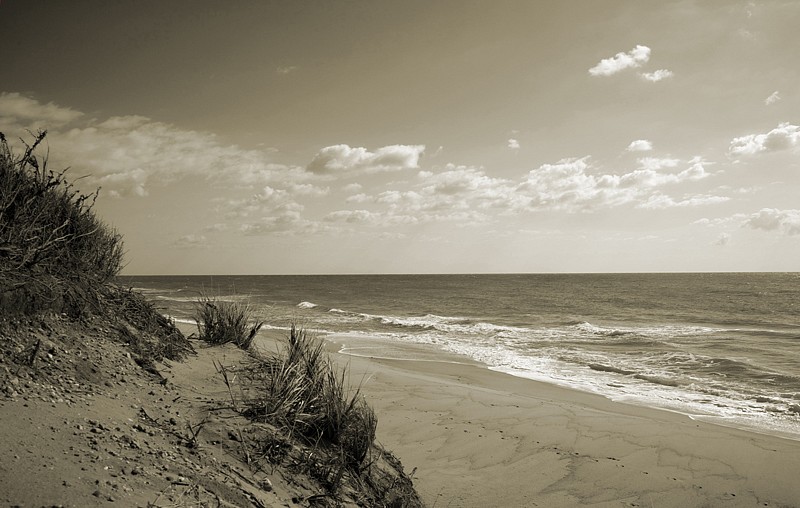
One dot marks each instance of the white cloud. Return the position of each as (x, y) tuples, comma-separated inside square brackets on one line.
[(660, 201), (657, 163), (513, 144), (656, 76), (286, 70), (358, 198), (18, 113), (270, 201), (640, 145), (342, 159), (773, 98), (459, 193), (772, 219), (621, 61), (782, 137), (352, 187), (569, 185)]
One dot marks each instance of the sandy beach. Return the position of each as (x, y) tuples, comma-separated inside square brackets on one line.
[(472, 437), (482, 438)]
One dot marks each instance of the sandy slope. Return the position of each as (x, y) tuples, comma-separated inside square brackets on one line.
[(86, 426)]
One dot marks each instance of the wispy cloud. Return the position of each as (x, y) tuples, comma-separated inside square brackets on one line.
[(353, 217), (656, 76), (128, 155), (18, 112), (621, 61), (288, 223), (661, 201), (782, 137), (342, 159), (640, 145), (191, 242), (773, 98), (286, 70), (513, 144), (723, 239)]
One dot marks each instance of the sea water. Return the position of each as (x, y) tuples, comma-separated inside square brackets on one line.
[(723, 347)]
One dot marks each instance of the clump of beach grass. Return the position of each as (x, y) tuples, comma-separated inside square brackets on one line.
[(301, 391), (222, 322), (306, 418)]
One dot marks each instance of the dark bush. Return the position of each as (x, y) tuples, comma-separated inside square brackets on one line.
[(55, 253)]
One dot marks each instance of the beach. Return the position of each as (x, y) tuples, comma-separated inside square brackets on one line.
[(469, 436), (482, 438)]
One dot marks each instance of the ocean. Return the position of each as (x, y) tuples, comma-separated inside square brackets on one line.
[(722, 347)]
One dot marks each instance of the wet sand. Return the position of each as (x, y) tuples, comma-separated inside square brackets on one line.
[(482, 438)]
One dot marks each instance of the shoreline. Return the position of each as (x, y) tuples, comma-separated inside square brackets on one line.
[(436, 355), (477, 436)]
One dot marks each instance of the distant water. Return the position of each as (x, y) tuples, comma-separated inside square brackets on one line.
[(722, 347)]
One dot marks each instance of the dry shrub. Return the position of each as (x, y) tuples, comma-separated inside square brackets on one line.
[(46, 225)]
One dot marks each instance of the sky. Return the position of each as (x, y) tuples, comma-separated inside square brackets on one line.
[(285, 137)]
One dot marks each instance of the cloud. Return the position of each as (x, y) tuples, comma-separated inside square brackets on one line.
[(353, 217), (125, 154), (661, 201), (621, 61), (270, 201), (191, 242), (468, 194), (128, 155), (286, 70), (513, 144), (723, 239), (640, 145), (569, 185), (782, 137), (358, 198), (656, 76), (458, 193), (657, 163), (288, 222), (773, 98), (18, 113), (342, 159), (772, 219)]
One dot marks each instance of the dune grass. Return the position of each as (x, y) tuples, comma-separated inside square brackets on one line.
[(301, 391), (222, 322), (47, 225), (307, 399), (58, 257), (55, 253)]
